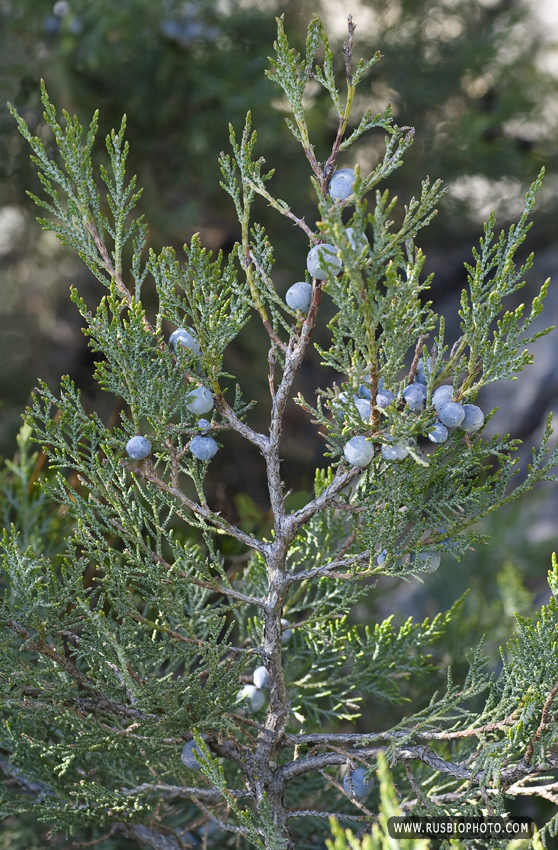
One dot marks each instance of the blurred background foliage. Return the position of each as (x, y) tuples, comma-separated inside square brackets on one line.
[(474, 77)]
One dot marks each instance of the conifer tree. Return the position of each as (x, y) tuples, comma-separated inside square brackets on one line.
[(171, 677)]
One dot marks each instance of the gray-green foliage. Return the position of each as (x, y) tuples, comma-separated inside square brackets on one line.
[(379, 837), (137, 632)]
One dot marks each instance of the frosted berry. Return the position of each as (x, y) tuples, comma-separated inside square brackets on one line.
[(357, 242), (200, 400), (343, 398), (341, 184), (203, 425), (287, 633), (423, 372), (355, 783), (382, 556), (260, 677), (251, 695), (359, 451), (138, 448), (185, 339), (210, 834), (473, 419), (61, 8), (364, 391), (437, 433), (449, 542), (364, 408), (442, 395), (189, 753), (384, 398), (361, 404), (299, 296), (321, 258), (203, 448), (429, 561), (397, 451), (415, 396), (451, 414)]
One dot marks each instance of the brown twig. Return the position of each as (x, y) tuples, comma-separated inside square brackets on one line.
[(183, 791), (369, 815), (414, 365), (543, 725), (343, 119), (147, 473), (113, 274), (312, 813), (414, 784), (109, 834), (103, 703)]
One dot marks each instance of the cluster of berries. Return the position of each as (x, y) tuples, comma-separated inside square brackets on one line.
[(323, 258), (198, 401), (449, 415), (253, 695)]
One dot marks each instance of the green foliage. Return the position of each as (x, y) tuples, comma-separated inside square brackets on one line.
[(135, 631), (379, 837), (466, 76)]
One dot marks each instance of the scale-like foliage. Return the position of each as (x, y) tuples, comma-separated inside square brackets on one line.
[(135, 613)]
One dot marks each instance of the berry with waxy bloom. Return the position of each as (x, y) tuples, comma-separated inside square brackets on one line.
[(364, 408), (355, 784), (442, 395), (396, 451), (203, 448), (200, 400), (359, 451), (254, 697), (260, 677), (415, 396), (299, 296), (343, 398), (138, 448), (203, 425), (451, 414), (341, 184), (362, 405), (287, 633), (429, 561), (364, 391), (384, 398), (382, 556), (357, 242), (185, 339), (423, 371), (437, 433), (448, 542), (321, 258), (189, 753), (473, 418)]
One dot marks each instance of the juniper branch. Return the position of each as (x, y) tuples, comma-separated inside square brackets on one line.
[(101, 701), (203, 511)]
